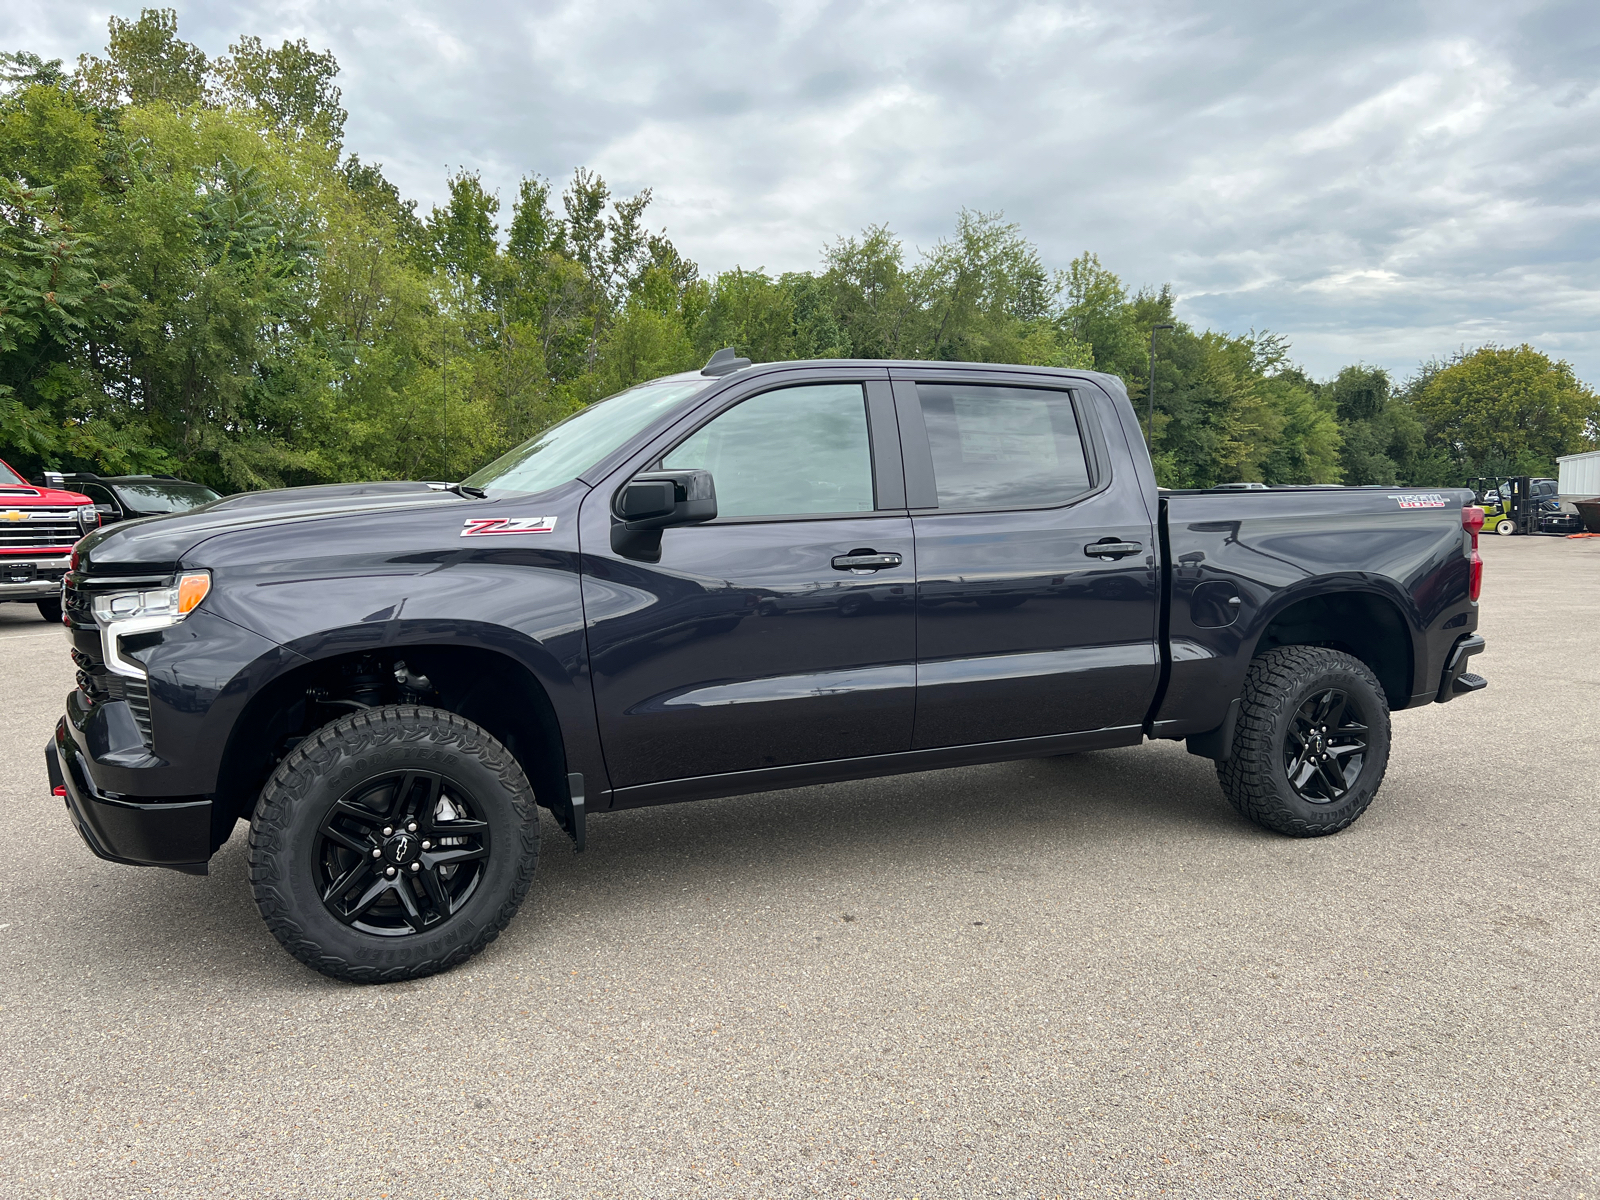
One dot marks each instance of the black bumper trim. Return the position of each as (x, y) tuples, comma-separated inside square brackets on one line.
[(1455, 668), (174, 834)]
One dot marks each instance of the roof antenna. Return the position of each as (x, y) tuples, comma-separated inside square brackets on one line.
[(725, 362)]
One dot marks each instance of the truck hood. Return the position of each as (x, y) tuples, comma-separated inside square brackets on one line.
[(157, 545), (25, 495)]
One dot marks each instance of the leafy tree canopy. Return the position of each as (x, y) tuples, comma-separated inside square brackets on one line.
[(196, 276)]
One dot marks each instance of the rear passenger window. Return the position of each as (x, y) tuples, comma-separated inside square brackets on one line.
[(795, 451), (1003, 447)]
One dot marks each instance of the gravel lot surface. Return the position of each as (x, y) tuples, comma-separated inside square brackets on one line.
[(1058, 977)]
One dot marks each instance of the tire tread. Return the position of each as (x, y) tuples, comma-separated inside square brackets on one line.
[(312, 759), (1275, 682)]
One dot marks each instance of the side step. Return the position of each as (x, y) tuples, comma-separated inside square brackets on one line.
[(1455, 681)]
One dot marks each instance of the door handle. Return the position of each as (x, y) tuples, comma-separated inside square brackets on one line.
[(865, 560), (1112, 549)]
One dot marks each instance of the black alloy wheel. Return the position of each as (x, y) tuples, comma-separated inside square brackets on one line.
[(1323, 748), (1311, 743), (401, 854), (392, 844)]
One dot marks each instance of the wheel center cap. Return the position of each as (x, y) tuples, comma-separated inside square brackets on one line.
[(401, 848)]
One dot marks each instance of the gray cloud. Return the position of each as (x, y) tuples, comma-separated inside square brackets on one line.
[(1379, 181)]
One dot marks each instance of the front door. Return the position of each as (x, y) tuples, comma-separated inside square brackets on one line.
[(781, 633), (1024, 628)]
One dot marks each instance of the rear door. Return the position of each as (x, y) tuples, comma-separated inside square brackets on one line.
[(1037, 578), (783, 632)]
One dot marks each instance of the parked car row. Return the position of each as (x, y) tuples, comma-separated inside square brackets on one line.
[(40, 523)]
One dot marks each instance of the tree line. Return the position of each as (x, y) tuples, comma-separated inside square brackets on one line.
[(197, 278)]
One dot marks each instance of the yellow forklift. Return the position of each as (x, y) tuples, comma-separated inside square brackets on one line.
[(1509, 505)]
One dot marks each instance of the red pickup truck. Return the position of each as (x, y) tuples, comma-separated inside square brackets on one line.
[(38, 528)]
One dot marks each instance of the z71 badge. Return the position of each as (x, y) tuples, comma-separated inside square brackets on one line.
[(501, 526), (1420, 500)]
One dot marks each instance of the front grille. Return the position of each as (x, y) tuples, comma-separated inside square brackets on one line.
[(101, 685), (38, 528)]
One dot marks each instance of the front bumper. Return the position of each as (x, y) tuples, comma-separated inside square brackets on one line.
[(144, 833), (43, 580)]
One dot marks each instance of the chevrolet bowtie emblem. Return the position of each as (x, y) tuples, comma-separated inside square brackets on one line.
[(15, 515)]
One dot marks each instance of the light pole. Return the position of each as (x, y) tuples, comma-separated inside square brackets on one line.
[(1150, 394)]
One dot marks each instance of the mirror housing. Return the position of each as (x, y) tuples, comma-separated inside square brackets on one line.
[(651, 502), (658, 499)]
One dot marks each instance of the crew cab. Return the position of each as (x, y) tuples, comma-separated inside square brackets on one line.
[(38, 528), (747, 578), (130, 497)]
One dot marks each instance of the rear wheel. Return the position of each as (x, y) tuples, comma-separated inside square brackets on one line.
[(1311, 744), (392, 844), (50, 610)]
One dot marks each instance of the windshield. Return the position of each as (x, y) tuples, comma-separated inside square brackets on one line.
[(567, 450), (160, 497), (7, 475)]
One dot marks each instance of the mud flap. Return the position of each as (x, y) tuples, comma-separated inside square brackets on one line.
[(1216, 743), (570, 816)]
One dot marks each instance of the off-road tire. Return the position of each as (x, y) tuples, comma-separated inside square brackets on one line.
[(1255, 778), (326, 767), (50, 610)]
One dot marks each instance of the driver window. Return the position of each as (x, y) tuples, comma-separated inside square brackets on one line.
[(794, 451), (101, 496)]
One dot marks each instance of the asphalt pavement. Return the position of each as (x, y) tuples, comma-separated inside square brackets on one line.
[(1081, 975)]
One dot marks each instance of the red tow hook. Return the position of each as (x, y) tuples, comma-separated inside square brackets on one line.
[(60, 789)]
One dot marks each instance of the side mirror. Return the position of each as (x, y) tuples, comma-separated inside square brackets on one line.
[(651, 502), (663, 498)]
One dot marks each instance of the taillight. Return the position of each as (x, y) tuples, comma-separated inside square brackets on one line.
[(1472, 522)]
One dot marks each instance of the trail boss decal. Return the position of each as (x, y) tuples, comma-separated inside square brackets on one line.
[(1421, 500), (499, 526)]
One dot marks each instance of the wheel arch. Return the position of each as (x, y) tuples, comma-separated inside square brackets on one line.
[(1364, 622), (493, 689)]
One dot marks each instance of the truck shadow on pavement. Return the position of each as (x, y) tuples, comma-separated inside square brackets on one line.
[(998, 817)]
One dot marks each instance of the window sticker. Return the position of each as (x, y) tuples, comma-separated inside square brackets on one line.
[(1010, 430)]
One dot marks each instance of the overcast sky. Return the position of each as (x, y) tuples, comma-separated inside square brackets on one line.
[(1381, 181)]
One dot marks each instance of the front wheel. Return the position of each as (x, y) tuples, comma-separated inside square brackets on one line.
[(1311, 744), (392, 844), (50, 610), (1505, 527)]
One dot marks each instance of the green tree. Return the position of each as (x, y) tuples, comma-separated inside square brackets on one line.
[(53, 297), (869, 293), (145, 63), (21, 69), (750, 312), (1509, 410), (1381, 437), (292, 87)]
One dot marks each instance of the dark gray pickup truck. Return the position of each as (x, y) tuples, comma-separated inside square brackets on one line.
[(730, 581)]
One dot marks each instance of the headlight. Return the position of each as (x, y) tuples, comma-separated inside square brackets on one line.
[(120, 614), (88, 518), (157, 607)]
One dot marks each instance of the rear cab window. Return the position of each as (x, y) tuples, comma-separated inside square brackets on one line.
[(999, 447)]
